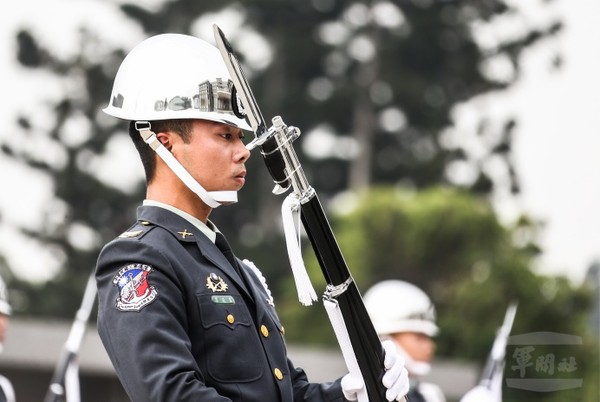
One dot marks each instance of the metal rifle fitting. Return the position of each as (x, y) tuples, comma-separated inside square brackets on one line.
[(333, 291), (284, 136)]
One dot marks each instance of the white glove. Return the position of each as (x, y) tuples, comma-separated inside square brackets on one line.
[(480, 394), (351, 386), (395, 378)]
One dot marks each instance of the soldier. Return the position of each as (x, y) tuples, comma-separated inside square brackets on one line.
[(180, 316), (7, 392), (402, 312)]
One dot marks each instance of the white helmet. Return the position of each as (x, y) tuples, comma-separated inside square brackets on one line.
[(5, 307), (175, 76), (397, 306)]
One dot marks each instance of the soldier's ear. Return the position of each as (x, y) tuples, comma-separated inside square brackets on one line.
[(165, 139)]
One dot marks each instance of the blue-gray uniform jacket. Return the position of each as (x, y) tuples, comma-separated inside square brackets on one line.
[(179, 324)]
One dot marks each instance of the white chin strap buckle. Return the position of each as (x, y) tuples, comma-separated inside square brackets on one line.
[(223, 197)]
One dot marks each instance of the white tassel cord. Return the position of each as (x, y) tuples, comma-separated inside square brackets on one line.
[(304, 287), (262, 280)]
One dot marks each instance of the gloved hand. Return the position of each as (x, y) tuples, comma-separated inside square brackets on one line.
[(351, 386), (395, 378)]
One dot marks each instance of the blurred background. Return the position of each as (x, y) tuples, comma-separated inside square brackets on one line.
[(453, 145)]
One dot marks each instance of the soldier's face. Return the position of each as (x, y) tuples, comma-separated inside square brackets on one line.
[(419, 346), (215, 156)]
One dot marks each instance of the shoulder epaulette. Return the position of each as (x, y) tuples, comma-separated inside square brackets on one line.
[(137, 230)]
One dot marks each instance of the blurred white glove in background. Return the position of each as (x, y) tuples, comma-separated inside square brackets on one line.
[(480, 394)]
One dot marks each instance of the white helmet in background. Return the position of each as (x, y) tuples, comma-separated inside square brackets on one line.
[(396, 306), (175, 76)]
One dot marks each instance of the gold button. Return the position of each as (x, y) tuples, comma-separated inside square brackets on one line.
[(282, 330), (230, 319), (278, 374), (264, 331)]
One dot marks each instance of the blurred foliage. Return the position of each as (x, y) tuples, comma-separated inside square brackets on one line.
[(382, 80)]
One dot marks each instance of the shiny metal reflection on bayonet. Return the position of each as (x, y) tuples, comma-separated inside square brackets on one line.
[(255, 117)]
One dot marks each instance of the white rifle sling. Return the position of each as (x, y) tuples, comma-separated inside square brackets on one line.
[(341, 333)]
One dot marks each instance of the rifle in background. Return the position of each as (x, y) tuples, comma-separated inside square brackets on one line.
[(64, 385), (489, 388)]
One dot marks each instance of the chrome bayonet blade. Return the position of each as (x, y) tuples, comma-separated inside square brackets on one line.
[(509, 316), (270, 147), (244, 92)]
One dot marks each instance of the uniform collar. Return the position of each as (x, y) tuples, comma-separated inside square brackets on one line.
[(208, 229)]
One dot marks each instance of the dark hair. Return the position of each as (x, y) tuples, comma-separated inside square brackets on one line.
[(182, 127)]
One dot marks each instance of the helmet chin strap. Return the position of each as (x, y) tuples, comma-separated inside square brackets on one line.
[(211, 198)]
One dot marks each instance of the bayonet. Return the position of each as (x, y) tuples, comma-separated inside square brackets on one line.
[(243, 91), (495, 362), (271, 141)]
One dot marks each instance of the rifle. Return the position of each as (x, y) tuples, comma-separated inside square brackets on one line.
[(64, 385), (489, 388), (495, 361), (282, 162)]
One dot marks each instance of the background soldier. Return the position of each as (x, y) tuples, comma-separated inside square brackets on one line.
[(402, 312)]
